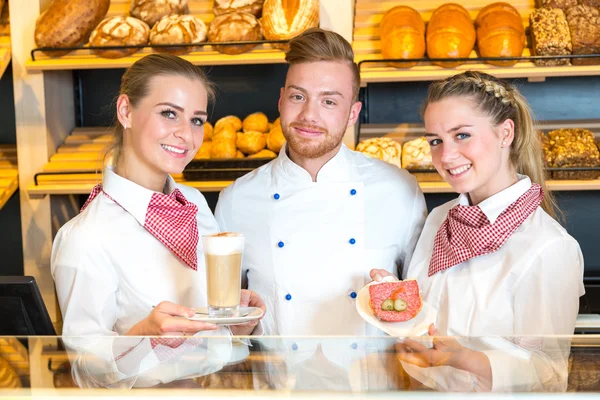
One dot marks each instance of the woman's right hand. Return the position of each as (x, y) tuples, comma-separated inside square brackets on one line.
[(169, 319), (378, 274)]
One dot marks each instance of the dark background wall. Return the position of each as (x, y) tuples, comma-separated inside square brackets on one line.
[(10, 215), (246, 89)]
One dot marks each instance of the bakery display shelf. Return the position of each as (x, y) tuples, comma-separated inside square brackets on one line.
[(9, 175), (5, 53), (83, 58), (367, 47)]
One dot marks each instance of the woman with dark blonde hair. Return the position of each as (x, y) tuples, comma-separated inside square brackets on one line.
[(131, 263), (493, 262)]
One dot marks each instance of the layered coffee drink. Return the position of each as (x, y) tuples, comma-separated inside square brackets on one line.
[(223, 255)]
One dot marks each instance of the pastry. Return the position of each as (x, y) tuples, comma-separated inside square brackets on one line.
[(208, 131), (223, 149), (250, 142), (416, 154), (550, 36), (256, 122), (264, 154), (230, 119), (450, 34), (68, 23), (402, 32), (253, 7), (235, 27), (225, 132), (119, 31), (285, 19), (178, 29), (151, 11), (500, 33), (383, 148), (275, 139), (239, 154), (204, 151)]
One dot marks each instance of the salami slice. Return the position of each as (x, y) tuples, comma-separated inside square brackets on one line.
[(407, 291)]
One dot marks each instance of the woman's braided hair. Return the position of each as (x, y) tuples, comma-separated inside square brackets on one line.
[(500, 100)]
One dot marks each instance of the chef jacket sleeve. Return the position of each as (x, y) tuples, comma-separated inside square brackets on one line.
[(414, 228), (546, 304)]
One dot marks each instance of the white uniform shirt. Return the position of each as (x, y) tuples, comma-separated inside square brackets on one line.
[(109, 272), (310, 245), (530, 286)]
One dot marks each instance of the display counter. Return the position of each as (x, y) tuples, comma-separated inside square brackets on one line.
[(272, 367)]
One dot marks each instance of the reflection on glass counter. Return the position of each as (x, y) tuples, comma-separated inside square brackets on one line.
[(336, 365)]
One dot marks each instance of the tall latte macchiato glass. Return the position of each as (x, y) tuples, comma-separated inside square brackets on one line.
[(223, 254)]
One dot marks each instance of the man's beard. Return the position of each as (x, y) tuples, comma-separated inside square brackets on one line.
[(311, 148)]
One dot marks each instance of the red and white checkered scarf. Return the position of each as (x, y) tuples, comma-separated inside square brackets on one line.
[(172, 220), (467, 233)]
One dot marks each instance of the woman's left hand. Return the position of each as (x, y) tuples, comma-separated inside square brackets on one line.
[(249, 299)]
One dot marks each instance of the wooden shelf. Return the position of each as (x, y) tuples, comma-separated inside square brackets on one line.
[(85, 59), (9, 175), (367, 46)]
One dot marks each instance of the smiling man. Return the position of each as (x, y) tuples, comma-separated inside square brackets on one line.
[(319, 217)]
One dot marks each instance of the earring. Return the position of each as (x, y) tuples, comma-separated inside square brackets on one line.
[(503, 144), (125, 127)]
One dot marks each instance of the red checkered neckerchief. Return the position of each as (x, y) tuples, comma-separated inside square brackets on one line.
[(467, 233), (172, 220)]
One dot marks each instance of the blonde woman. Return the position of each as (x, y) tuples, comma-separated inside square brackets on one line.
[(494, 262)]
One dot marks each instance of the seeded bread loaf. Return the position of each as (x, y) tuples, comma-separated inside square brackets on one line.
[(584, 25), (562, 4), (550, 36), (569, 148)]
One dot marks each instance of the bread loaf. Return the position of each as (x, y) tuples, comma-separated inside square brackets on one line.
[(285, 19), (119, 31), (68, 23), (254, 7), (450, 34), (177, 29), (235, 27), (570, 148), (1, 5), (500, 33), (150, 11), (584, 25), (550, 36), (383, 148), (562, 4), (416, 154), (591, 3), (402, 32)]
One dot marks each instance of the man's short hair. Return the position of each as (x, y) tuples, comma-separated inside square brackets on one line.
[(317, 44)]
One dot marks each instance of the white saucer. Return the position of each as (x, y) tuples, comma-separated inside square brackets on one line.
[(417, 326), (253, 313)]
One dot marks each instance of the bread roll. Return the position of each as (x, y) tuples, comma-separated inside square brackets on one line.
[(204, 151), (119, 31), (402, 32), (276, 139), (264, 154), (250, 142), (500, 33), (151, 11), (68, 23), (223, 149), (256, 122), (177, 29), (285, 19), (230, 119), (253, 7), (235, 27), (208, 131), (450, 34), (416, 154), (225, 133)]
